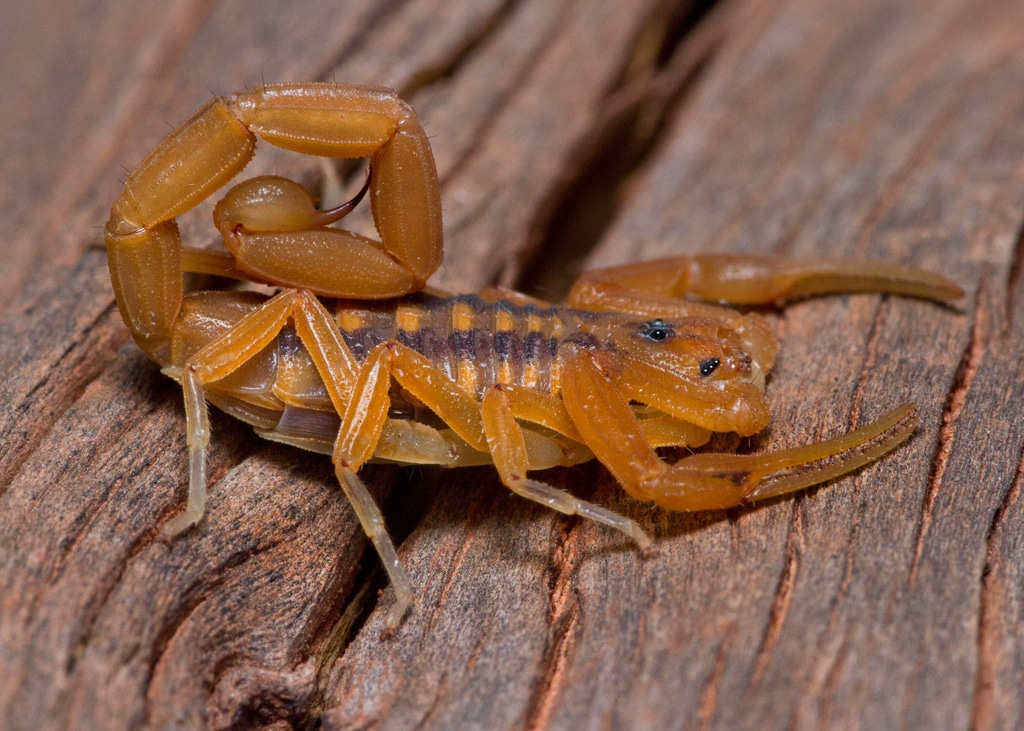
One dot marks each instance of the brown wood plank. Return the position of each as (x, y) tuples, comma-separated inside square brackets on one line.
[(877, 136), (872, 129)]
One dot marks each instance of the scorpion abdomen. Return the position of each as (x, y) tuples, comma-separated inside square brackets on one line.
[(475, 342)]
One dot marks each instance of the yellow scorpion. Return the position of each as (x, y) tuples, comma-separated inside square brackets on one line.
[(354, 357)]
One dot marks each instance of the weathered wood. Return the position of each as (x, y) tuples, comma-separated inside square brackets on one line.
[(873, 129)]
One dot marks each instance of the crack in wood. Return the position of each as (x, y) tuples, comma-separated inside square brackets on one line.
[(448, 67), (583, 201), (351, 613), (380, 15), (709, 696), (783, 593), (1013, 280), (437, 701), (829, 659), (161, 641), (442, 69), (970, 361), (563, 616), (993, 593), (830, 688), (359, 603), (72, 540), (178, 617), (886, 199), (91, 614)]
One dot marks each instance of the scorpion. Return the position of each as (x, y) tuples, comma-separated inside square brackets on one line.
[(351, 354)]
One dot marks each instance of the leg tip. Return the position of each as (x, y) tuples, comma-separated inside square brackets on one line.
[(394, 619), (643, 541), (179, 524)]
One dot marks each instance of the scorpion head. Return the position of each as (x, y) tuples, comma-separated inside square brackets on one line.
[(714, 367)]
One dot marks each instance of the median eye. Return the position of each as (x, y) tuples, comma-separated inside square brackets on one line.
[(709, 366), (657, 331)]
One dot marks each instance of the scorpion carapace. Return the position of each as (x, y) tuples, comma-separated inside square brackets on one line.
[(632, 363)]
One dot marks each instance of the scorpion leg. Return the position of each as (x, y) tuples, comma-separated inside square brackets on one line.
[(485, 429), (655, 287), (234, 348), (549, 412), (360, 396), (508, 448), (355, 393), (362, 429), (540, 408), (665, 431), (212, 362), (710, 481), (362, 421)]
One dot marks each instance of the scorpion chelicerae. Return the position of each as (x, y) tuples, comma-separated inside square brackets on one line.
[(354, 357)]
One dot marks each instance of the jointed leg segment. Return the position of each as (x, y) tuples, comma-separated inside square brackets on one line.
[(508, 449), (346, 383), (227, 354)]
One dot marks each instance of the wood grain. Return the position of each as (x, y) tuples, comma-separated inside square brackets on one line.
[(567, 134)]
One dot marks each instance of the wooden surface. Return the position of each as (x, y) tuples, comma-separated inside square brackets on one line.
[(567, 134)]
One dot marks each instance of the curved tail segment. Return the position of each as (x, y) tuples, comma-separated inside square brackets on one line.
[(216, 143)]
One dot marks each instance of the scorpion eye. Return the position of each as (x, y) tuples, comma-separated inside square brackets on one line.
[(657, 331), (708, 366)]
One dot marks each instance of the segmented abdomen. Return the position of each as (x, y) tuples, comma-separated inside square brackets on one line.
[(474, 342)]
